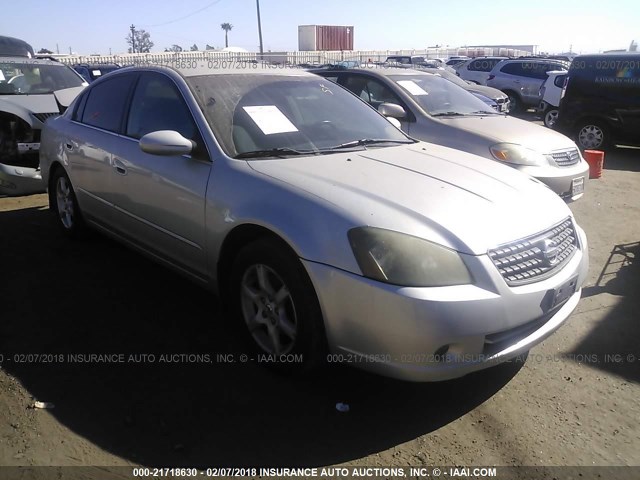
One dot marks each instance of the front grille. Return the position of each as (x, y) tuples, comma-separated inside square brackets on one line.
[(566, 158), (43, 116), (536, 257)]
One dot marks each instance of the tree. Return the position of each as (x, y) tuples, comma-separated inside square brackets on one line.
[(139, 41), (194, 48), (44, 50), (227, 27), (173, 48)]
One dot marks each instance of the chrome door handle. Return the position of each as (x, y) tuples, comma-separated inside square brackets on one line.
[(119, 166)]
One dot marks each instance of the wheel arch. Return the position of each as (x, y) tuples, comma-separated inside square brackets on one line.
[(236, 240)]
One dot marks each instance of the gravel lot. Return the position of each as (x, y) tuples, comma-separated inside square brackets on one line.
[(575, 401)]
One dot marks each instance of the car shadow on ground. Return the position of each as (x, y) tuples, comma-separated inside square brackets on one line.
[(622, 158), (65, 298), (614, 340)]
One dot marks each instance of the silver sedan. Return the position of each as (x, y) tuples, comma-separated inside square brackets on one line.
[(433, 109), (330, 233)]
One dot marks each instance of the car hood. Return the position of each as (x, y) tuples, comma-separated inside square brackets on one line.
[(486, 91), (453, 198), (502, 128), (44, 103)]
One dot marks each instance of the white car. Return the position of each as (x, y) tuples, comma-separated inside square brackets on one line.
[(31, 91), (551, 93)]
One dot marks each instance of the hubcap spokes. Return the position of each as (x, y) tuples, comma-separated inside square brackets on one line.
[(268, 310), (591, 136), (64, 201)]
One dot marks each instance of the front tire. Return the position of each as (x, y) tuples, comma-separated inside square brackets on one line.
[(64, 205), (275, 300), (592, 135)]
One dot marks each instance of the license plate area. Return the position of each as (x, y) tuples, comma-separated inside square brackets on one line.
[(577, 186), (563, 292)]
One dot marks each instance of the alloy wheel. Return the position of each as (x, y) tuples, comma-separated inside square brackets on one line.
[(268, 310), (64, 202)]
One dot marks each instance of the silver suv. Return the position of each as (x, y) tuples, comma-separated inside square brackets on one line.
[(477, 70), (521, 79)]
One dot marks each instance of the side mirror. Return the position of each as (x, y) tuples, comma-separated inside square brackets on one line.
[(392, 110), (167, 143)]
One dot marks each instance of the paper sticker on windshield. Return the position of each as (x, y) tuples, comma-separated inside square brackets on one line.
[(96, 73), (1, 76), (412, 87), (270, 119)]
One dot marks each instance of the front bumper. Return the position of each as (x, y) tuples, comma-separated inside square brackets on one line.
[(15, 181), (398, 331), (561, 179)]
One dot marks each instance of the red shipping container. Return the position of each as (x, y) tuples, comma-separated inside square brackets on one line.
[(325, 37)]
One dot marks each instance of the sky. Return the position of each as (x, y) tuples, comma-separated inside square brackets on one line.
[(92, 26)]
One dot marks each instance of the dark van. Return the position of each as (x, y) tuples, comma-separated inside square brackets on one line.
[(14, 47), (600, 105)]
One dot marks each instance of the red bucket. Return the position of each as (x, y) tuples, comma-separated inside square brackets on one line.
[(595, 159)]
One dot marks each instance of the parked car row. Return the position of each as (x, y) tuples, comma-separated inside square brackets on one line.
[(296, 198), (520, 79), (316, 220)]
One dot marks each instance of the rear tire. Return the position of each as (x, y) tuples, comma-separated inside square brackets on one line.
[(515, 104), (592, 135), (274, 298), (550, 117), (64, 205)]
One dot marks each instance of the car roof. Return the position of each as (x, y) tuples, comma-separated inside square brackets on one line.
[(219, 67), (96, 65), (30, 61), (382, 72), (609, 56), (15, 47)]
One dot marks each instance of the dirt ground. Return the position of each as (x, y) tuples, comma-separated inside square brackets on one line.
[(575, 401)]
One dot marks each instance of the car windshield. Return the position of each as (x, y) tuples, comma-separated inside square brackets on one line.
[(25, 78), (440, 97), (262, 115)]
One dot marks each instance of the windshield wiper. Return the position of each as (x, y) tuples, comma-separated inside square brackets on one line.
[(448, 114), (274, 152), (484, 112), (367, 141)]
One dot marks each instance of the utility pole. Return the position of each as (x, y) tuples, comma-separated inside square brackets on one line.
[(259, 28), (133, 38), (57, 49)]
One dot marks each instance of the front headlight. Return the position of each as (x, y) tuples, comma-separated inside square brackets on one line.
[(517, 154), (401, 259)]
